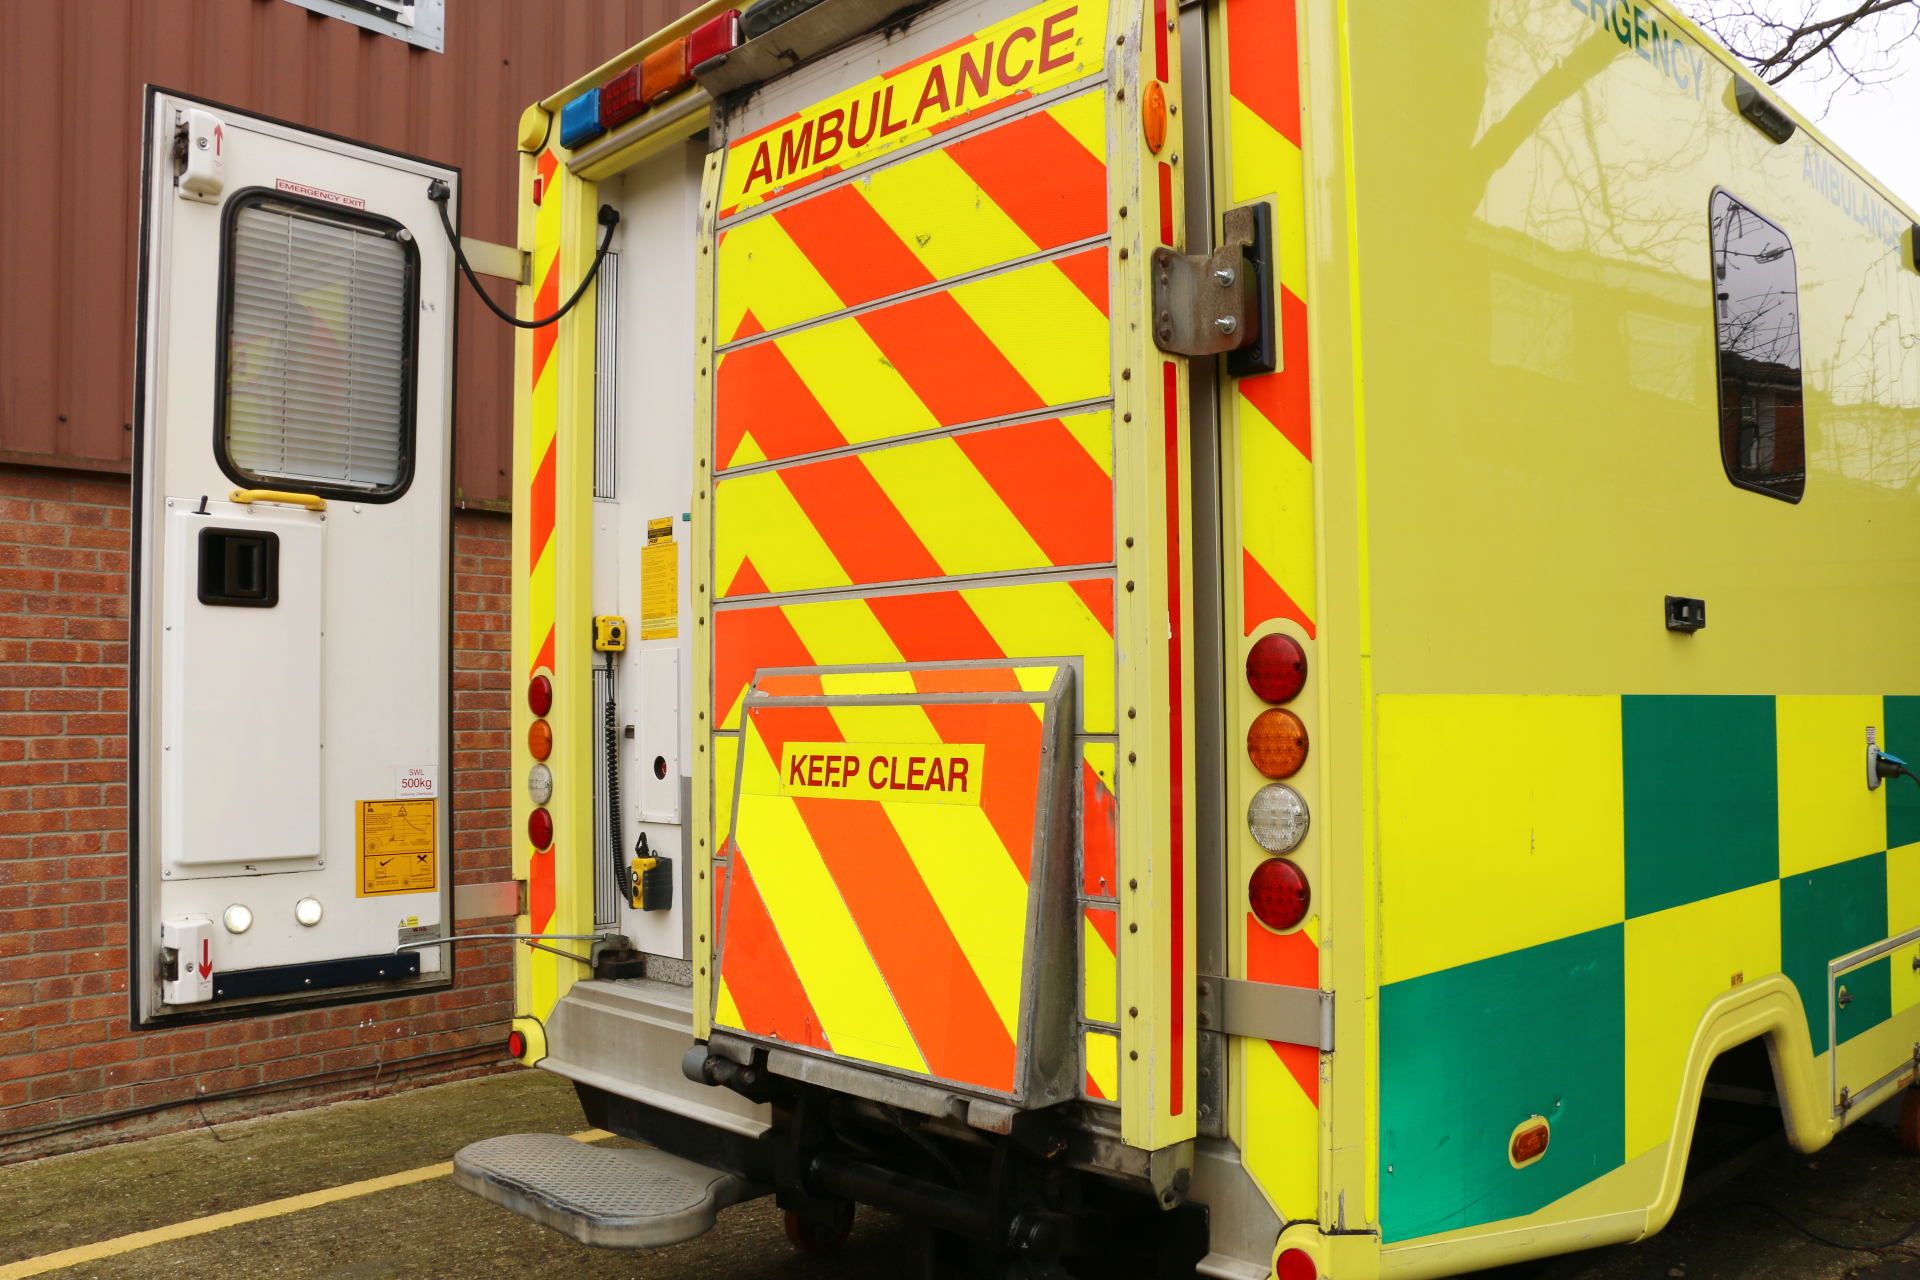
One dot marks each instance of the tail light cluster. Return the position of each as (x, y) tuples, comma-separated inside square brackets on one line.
[(540, 777), (1277, 816), (661, 74)]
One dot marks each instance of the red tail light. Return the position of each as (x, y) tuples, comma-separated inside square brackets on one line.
[(540, 695), (1278, 894), (1276, 667), (540, 828), (516, 1044), (714, 37), (1294, 1264), (620, 98)]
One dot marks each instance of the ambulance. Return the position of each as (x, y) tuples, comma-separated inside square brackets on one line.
[(1240, 638)]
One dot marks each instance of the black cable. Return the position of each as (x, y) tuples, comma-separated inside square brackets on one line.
[(439, 192), (1815, 1235), (622, 874)]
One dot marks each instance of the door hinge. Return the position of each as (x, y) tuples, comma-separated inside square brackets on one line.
[(1221, 303), (1266, 1011)]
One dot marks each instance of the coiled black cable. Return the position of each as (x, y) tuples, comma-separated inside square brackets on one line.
[(439, 192), (622, 874)]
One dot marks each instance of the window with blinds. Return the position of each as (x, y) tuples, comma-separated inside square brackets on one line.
[(317, 352)]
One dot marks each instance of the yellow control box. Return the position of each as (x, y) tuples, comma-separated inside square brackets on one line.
[(609, 633)]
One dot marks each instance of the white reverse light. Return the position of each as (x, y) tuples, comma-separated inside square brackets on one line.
[(307, 911), (540, 784), (1278, 817), (239, 918)]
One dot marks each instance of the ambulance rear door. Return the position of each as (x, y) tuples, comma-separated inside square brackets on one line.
[(290, 818), (939, 517)]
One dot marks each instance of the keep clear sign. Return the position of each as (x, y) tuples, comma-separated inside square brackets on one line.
[(399, 846), (916, 772)]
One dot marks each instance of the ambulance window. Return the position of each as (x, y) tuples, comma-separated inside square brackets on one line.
[(1756, 306), (318, 317)]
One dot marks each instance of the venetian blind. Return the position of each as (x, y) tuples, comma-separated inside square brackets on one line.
[(316, 350)]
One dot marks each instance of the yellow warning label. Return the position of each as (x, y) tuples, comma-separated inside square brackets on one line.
[(915, 772), (399, 846), (660, 583)]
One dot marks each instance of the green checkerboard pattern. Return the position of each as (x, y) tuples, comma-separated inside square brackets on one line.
[(1470, 1051)]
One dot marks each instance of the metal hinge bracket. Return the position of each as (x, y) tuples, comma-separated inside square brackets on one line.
[(1266, 1011), (1221, 303)]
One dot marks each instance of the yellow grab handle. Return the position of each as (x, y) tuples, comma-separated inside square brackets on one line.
[(311, 502)]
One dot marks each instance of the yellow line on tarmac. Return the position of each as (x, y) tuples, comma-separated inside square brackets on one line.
[(234, 1217)]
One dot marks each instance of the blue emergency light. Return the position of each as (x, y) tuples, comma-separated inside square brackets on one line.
[(580, 120)]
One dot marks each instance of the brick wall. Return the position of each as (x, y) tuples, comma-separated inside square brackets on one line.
[(72, 1070)]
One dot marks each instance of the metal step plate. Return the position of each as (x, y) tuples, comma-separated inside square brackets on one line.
[(614, 1199)]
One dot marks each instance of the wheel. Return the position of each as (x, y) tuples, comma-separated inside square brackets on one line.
[(813, 1235), (1910, 1122)]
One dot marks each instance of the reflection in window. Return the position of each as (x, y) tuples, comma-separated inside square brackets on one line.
[(1757, 320), (1532, 327), (1662, 355)]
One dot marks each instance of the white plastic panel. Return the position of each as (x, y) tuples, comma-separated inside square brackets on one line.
[(240, 703)]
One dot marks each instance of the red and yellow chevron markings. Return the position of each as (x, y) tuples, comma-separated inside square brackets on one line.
[(884, 930), (543, 440), (1029, 335), (1010, 620), (1030, 496), (1275, 436), (1272, 433), (1031, 53)]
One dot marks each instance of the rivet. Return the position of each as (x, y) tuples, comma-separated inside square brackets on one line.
[(1134, 1012), (1130, 713), (1129, 584), (1120, 95), (1126, 417), (1126, 375), (1133, 884), (1123, 255), (1123, 211), (1119, 39), (1134, 1054), (1131, 758), (1129, 541)]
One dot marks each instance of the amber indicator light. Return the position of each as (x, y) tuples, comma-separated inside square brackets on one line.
[(1278, 894), (540, 695), (540, 828), (1153, 116), (1277, 743), (1529, 1142), (540, 739), (1276, 668)]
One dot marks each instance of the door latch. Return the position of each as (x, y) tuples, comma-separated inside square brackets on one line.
[(1221, 303)]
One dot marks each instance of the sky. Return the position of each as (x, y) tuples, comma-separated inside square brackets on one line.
[(1879, 127)]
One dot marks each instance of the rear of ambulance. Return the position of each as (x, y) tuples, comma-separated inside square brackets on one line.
[(996, 865)]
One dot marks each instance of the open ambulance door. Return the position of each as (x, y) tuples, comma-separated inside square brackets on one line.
[(947, 540), (289, 820)]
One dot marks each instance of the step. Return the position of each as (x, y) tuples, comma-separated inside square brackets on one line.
[(636, 1198)]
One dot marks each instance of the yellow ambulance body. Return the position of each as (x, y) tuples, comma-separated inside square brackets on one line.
[(1017, 480)]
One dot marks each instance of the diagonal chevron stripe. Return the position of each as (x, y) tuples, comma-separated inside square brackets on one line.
[(1025, 496), (1026, 186), (759, 981), (856, 1008)]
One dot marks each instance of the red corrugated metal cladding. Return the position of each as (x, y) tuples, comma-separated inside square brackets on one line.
[(70, 100)]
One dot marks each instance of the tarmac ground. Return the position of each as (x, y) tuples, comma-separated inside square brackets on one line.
[(1861, 1189)]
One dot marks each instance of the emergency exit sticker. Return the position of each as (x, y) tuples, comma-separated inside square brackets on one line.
[(915, 772), (399, 849), (416, 782)]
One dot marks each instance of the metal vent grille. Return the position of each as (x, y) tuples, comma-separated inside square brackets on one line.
[(606, 379)]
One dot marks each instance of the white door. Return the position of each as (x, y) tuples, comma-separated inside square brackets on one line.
[(291, 826)]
